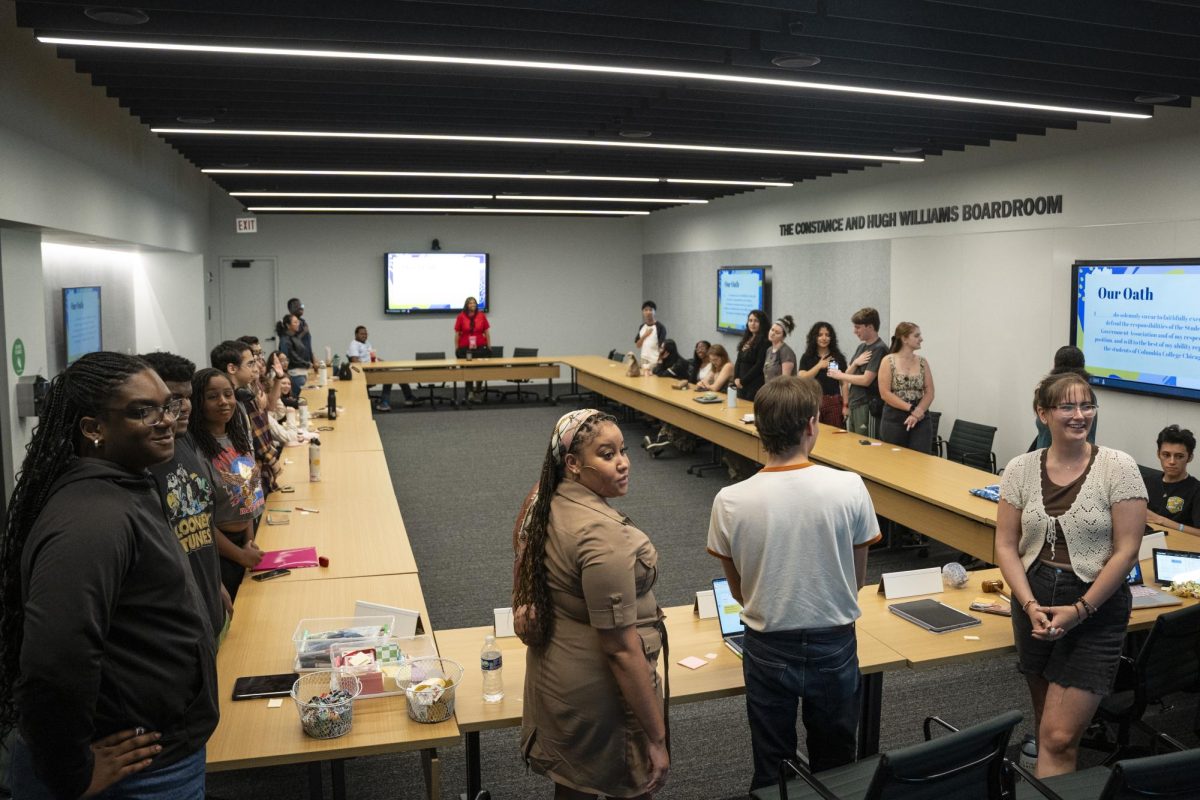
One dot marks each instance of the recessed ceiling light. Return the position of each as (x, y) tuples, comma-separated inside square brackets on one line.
[(635, 134), (365, 173), (115, 15), (477, 210), (1151, 98), (558, 66), (795, 61), (365, 194), (570, 198), (906, 150), (187, 120), (716, 182), (437, 137)]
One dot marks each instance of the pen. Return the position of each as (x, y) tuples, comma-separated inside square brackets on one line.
[(309, 510)]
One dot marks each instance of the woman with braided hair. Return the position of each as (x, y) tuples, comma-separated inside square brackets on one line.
[(107, 657), (594, 715)]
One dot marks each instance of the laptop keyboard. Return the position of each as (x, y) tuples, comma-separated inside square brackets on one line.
[(1143, 591)]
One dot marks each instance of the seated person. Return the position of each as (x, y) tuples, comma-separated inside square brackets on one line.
[(670, 363), (1174, 497), (701, 368), (720, 373), (360, 350)]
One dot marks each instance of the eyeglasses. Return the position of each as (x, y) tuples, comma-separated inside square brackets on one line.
[(1069, 409), (152, 415)]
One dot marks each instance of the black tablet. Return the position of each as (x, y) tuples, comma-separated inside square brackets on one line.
[(254, 686)]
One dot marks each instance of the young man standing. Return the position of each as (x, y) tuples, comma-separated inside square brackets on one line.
[(360, 350), (1175, 496), (236, 359), (650, 335), (296, 308), (185, 486), (860, 375), (792, 541)]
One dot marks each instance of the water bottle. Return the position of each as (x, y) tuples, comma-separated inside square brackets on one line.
[(303, 404), (492, 664), (322, 374), (1029, 753), (336, 361), (314, 460), (332, 404), (731, 396), (833, 366)]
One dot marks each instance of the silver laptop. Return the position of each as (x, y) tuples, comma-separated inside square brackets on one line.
[(1147, 596), (729, 613), (1171, 564)]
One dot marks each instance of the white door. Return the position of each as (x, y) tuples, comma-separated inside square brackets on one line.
[(248, 302)]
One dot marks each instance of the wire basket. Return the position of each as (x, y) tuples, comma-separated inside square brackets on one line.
[(325, 701), (431, 689)]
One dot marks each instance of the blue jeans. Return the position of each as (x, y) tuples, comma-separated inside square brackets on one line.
[(183, 780), (298, 382), (818, 666)]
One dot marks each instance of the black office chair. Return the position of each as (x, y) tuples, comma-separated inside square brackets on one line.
[(967, 763), (433, 399), (970, 443), (518, 392), (1172, 776), (1167, 664)]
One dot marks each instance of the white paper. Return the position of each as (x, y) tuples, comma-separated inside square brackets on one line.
[(1151, 541), (912, 582), (406, 619), (504, 622), (706, 604)]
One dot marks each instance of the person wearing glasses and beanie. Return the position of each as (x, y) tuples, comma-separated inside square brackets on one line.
[(107, 656), (1068, 530)]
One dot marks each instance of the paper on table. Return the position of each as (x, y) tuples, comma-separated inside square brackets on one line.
[(691, 662)]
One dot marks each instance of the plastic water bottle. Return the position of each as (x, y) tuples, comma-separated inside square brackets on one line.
[(1029, 753), (331, 406), (314, 460), (303, 404), (322, 374), (731, 396), (492, 663), (833, 366)]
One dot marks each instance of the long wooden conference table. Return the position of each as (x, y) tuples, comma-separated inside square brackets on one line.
[(927, 494), (462, 370)]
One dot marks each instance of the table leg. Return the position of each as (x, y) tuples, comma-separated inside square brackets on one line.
[(869, 713), (474, 773), (432, 767), (316, 790), (337, 768), (550, 384)]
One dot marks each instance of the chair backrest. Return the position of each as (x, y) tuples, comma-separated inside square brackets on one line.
[(1169, 661), (1172, 775), (615, 355), (971, 443), (968, 763), (431, 356), (935, 418), (497, 350), (524, 352)]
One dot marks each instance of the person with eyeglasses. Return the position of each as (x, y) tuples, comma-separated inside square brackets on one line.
[(1066, 359), (107, 656), (223, 437), (1068, 530)]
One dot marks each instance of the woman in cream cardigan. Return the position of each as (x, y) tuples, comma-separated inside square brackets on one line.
[(1067, 533)]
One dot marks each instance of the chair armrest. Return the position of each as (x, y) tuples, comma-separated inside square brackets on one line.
[(940, 444), (939, 721), (799, 766), (1028, 777), (1126, 675), (1170, 741)]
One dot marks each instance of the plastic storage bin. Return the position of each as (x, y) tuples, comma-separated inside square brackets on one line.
[(314, 637), (382, 667)]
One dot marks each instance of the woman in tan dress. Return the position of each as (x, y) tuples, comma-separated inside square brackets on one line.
[(594, 719)]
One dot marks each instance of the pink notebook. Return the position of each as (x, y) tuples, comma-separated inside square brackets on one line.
[(292, 558)]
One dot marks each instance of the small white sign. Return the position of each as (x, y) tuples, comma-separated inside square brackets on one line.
[(246, 224), (911, 583), (1149, 542), (504, 622), (706, 605)]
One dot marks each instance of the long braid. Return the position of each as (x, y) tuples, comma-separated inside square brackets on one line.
[(237, 429), (533, 585), (83, 389)]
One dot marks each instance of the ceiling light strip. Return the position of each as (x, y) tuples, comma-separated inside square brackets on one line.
[(439, 137), (367, 194), (569, 199), (557, 66), (367, 209), (500, 175)]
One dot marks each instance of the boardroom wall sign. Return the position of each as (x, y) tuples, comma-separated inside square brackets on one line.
[(1008, 208)]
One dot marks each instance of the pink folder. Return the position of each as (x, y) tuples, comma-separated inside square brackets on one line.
[(292, 558)]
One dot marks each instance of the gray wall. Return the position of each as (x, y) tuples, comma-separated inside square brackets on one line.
[(826, 282), (113, 272)]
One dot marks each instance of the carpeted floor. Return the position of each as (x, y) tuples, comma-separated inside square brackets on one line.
[(460, 477)]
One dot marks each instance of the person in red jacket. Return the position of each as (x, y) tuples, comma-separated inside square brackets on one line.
[(472, 339)]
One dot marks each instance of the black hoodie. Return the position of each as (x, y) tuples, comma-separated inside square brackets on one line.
[(115, 635)]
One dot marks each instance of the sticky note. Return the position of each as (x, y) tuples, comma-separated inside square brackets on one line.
[(275, 702), (691, 662), (710, 656), (971, 638)]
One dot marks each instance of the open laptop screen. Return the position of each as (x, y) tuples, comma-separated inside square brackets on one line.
[(1134, 578), (1171, 564), (728, 609)]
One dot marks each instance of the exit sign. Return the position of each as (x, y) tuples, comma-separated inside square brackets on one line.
[(247, 224)]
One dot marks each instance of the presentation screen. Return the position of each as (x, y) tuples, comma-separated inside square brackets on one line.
[(434, 283), (1138, 325), (81, 321), (740, 290)]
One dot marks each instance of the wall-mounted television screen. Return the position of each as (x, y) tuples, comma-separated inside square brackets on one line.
[(434, 283), (1138, 325), (740, 290), (82, 330)]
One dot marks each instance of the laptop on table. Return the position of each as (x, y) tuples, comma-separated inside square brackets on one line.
[(729, 615), (1170, 565), (1147, 596)]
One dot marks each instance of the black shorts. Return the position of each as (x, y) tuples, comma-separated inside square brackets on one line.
[(1087, 657)]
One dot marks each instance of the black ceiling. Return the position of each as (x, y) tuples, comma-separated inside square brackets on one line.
[(1072, 53)]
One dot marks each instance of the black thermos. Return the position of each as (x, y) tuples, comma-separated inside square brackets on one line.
[(332, 404)]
